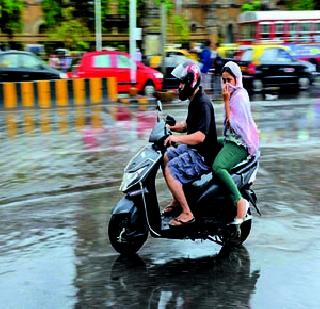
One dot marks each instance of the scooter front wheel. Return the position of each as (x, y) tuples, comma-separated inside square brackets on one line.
[(123, 237)]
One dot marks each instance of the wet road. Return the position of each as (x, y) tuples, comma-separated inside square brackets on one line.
[(60, 171)]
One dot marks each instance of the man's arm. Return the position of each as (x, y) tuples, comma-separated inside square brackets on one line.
[(189, 139)]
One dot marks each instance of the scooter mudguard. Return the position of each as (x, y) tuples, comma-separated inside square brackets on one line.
[(127, 207), (124, 206)]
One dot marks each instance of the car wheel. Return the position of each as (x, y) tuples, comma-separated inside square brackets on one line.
[(304, 83), (257, 85), (149, 88)]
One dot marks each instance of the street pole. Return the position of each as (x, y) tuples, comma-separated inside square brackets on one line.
[(133, 34), (163, 35), (97, 10)]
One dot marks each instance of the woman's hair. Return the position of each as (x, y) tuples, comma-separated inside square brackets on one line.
[(228, 70)]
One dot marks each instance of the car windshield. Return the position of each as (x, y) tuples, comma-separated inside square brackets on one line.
[(9, 61), (29, 62), (272, 55), (15, 61)]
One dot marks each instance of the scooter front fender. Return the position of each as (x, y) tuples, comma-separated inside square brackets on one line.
[(124, 206)]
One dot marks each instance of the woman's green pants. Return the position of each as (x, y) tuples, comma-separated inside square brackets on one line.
[(229, 156)]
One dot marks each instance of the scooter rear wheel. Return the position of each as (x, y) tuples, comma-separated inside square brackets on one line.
[(245, 229), (124, 238), (232, 240)]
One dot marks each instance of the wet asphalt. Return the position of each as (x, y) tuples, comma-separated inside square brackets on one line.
[(60, 171)]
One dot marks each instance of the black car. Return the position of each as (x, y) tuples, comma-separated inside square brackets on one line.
[(275, 68), (16, 66)]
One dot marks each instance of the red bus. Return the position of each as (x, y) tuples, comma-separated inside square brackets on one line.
[(289, 27)]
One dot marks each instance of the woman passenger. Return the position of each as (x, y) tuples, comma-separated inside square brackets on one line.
[(241, 136)]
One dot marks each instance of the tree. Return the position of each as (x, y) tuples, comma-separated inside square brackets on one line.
[(301, 4), (10, 16), (180, 26), (251, 6), (83, 11), (71, 31)]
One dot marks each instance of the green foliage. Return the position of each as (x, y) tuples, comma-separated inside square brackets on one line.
[(301, 4), (71, 31), (180, 26), (83, 11), (251, 6), (10, 16), (123, 6), (52, 12), (168, 3)]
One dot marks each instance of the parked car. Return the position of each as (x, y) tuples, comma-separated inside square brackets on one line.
[(17, 66), (118, 64), (274, 67)]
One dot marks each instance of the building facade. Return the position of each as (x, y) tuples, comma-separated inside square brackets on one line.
[(207, 19)]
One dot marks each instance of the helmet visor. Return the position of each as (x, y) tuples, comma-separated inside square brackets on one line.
[(179, 72)]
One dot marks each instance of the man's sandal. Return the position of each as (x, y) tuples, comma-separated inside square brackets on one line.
[(177, 222), (171, 210)]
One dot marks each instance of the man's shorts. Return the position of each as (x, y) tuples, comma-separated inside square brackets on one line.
[(186, 164)]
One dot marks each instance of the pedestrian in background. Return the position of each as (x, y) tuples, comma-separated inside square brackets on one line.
[(205, 59)]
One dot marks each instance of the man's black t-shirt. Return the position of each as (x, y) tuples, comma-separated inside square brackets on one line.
[(201, 118)]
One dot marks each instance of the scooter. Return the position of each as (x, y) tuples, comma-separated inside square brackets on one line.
[(138, 213)]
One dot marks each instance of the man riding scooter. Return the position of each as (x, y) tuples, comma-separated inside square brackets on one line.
[(195, 190), (197, 148)]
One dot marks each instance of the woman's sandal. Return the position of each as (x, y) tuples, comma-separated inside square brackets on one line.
[(240, 220)]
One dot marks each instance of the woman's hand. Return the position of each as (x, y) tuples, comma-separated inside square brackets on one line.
[(226, 93), (226, 97)]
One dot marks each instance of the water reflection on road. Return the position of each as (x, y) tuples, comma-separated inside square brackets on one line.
[(60, 171)]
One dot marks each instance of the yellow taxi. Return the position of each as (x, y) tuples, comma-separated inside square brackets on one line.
[(272, 66), (155, 61), (257, 50), (227, 50)]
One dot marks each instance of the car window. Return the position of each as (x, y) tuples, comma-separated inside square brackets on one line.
[(247, 55), (9, 61), (102, 61), (123, 62), (269, 55), (283, 56), (29, 62), (170, 53)]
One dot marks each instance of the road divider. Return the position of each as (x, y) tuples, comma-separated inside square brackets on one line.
[(58, 93)]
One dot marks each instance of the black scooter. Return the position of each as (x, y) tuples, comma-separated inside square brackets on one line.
[(138, 212)]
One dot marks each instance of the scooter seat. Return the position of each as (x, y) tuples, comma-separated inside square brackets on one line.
[(242, 167), (246, 164)]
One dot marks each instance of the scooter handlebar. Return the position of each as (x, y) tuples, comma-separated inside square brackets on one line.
[(170, 120)]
